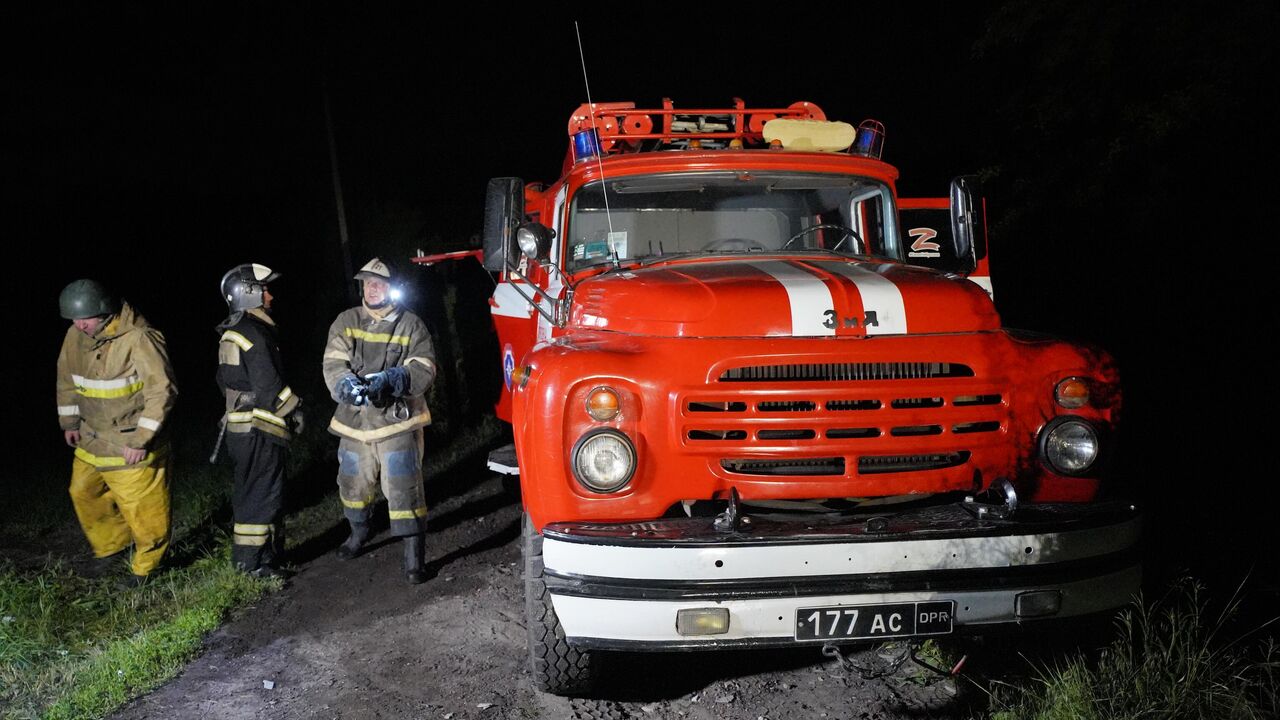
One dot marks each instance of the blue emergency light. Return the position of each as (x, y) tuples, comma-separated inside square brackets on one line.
[(870, 139), (585, 145)]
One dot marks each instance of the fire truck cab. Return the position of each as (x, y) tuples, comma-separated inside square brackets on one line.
[(758, 399)]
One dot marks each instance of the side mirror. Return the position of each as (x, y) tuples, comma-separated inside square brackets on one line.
[(503, 213), (534, 241), (968, 221)]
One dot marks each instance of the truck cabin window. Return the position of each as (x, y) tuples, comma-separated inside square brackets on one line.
[(730, 213)]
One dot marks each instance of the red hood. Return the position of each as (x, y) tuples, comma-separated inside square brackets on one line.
[(781, 297)]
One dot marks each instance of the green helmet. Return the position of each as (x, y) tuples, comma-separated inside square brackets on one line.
[(86, 299)]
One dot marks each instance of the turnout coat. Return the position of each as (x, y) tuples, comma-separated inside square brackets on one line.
[(360, 343), (116, 388)]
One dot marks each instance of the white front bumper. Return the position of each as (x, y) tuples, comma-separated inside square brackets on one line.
[(627, 594)]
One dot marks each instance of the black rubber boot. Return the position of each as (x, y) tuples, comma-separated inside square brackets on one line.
[(414, 572), (355, 542), (113, 564), (269, 571), (131, 581)]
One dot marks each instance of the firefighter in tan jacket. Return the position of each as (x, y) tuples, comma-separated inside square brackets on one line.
[(378, 364), (115, 391)]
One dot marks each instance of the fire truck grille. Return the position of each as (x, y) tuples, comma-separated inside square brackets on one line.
[(873, 464), (804, 466), (846, 372), (789, 429)]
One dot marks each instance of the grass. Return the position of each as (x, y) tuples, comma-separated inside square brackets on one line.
[(1171, 658), (72, 647), (77, 647)]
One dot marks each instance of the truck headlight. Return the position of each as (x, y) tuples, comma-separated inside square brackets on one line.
[(1070, 446), (604, 460)]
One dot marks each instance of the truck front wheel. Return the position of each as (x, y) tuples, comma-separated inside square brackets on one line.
[(554, 665)]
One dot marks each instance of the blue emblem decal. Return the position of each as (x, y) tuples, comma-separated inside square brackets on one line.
[(508, 365)]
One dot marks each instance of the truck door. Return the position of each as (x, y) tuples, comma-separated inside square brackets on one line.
[(514, 316), (927, 235)]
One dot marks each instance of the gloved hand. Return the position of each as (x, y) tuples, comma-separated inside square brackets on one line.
[(387, 385), (351, 390), (297, 422)]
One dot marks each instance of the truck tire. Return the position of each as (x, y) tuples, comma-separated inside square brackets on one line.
[(554, 665)]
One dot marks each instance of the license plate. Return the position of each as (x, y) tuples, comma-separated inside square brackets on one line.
[(868, 622)]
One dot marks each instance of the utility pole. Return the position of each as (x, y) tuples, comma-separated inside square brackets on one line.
[(344, 241)]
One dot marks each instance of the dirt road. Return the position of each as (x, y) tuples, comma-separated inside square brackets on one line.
[(352, 640)]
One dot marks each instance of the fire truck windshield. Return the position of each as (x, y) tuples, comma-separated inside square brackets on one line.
[(653, 216)]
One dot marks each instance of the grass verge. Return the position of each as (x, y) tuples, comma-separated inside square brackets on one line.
[(79, 647), (1171, 658), (72, 647)]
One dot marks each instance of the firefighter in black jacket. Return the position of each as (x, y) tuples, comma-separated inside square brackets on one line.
[(262, 413)]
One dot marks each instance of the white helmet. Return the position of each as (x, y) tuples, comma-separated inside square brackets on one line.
[(243, 285), (375, 268)]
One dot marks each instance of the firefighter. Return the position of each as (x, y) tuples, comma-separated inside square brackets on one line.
[(378, 363), (262, 414), (115, 390)]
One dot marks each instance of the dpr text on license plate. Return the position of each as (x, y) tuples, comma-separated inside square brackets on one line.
[(855, 622)]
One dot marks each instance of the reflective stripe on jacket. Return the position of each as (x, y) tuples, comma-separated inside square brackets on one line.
[(116, 388), (249, 374), (362, 344)]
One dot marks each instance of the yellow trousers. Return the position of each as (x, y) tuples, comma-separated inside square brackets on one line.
[(119, 507)]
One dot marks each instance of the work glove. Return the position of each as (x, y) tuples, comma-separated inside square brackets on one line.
[(297, 422), (387, 385), (351, 390)]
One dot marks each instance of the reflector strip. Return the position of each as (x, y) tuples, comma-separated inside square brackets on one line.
[(149, 424), (68, 410), (105, 389), (250, 529), (423, 361), (234, 337), (367, 336), (110, 461)]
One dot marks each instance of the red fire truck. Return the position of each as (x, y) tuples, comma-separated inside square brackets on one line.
[(758, 399)]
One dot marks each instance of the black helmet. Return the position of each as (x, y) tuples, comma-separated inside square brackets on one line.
[(242, 286), (86, 299)]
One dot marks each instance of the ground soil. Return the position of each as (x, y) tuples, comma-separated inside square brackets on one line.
[(353, 640)]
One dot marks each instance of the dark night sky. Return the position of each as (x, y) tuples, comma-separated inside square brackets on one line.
[(154, 148)]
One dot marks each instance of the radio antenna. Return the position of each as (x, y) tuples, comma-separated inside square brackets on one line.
[(604, 188)]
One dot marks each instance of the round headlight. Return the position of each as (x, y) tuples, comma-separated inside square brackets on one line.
[(1070, 447), (604, 460)]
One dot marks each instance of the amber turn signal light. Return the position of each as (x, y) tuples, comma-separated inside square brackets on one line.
[(1072, 393), (603, 404), (520, 375)]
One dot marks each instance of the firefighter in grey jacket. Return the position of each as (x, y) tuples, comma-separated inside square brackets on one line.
[(378, 364), (262, 413)]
